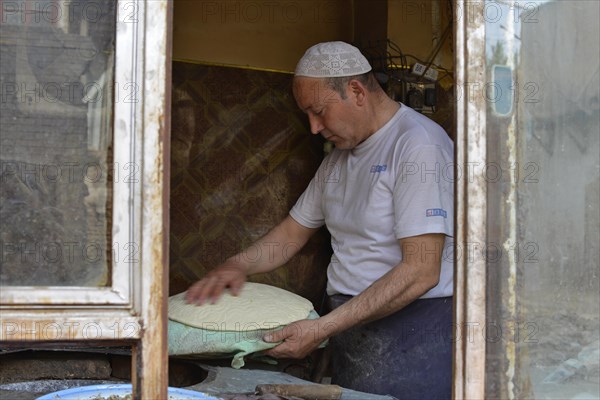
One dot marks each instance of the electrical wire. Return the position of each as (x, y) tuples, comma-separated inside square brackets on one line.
[(437, 48)]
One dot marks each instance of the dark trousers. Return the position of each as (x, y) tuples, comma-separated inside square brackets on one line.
[(407, 354)]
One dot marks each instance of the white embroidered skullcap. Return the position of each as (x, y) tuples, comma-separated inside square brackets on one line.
[(332, 59)]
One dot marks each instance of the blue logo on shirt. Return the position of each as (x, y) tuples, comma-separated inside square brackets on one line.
[(375, 169), (436, 212)]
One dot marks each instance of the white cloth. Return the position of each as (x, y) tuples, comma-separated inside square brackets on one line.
[(396, 184), (332, 59)]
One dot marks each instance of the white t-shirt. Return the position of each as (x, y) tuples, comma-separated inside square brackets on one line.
[(396, 184)]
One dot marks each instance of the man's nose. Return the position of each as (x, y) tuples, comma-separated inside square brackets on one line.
[(315, 124)]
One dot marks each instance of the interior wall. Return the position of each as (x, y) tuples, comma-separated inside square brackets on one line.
[(274, 34), (370, 30), (416, 26), (261, 34)]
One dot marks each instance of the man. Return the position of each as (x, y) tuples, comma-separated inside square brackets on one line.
[(385, 195)]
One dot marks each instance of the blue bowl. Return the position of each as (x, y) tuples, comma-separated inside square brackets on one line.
[(93, 391)]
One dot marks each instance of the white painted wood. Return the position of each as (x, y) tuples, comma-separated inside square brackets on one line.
[(133, 307), (471, 212)]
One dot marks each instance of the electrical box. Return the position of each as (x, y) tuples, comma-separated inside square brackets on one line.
[(420, 96)]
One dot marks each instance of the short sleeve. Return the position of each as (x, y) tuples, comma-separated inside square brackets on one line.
[(423, 192), (308, 210)]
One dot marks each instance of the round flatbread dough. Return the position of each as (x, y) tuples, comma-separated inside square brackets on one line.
[(257, 306)]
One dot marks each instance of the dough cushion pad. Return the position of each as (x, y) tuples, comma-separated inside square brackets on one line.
[(256, 307)]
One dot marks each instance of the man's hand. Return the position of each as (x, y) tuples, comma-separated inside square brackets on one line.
[(299, 338), (230, 275)]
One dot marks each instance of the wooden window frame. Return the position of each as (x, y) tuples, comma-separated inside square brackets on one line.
[(133, 309), (471, 212)]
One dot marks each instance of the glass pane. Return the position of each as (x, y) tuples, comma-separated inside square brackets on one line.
[(57, 62), (542, 249)]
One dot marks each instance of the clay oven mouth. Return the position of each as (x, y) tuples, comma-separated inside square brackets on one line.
[(46, 371), (182, 373)]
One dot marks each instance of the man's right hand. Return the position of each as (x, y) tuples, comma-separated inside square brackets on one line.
[(230, 275)]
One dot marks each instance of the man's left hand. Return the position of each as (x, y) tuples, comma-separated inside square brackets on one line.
[(299, 338)]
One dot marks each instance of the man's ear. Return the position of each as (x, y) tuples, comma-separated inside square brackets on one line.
[(358, 91)]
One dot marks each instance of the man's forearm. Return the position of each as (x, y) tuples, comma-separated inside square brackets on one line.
[(275, 248), (402, 285), (392, 292)]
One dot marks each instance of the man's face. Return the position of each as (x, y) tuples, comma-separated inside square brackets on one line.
[(336, 119)]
